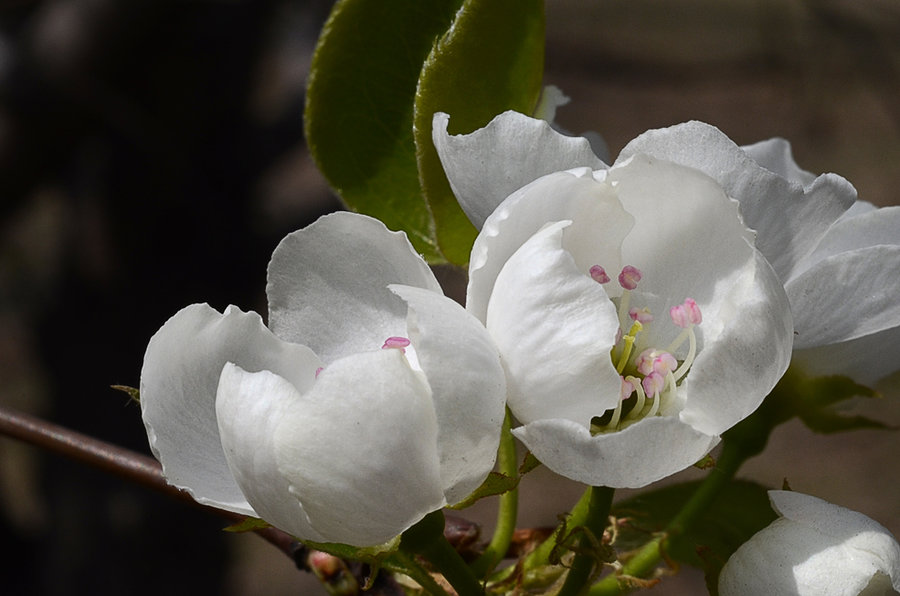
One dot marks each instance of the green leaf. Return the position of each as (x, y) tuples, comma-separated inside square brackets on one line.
[(741, 510), (490, 61), (359, 108)]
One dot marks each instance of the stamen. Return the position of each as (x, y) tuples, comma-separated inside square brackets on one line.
[(599, 275), (396, 343), (318, 370), (643, 315), (689, 359), (641, 398), (687, 314), (624, 393), (629, 277), (652, 360)]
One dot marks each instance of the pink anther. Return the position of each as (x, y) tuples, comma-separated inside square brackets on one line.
[(626, 390), (687, 314), (655, 361), (318, 370), (641, 315), (395, 343), (629, 277), (598, 274), (653, 384)]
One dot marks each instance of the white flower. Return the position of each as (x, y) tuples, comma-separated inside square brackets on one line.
[(634, 318), (814, 548), (839, 258), (365, 407)]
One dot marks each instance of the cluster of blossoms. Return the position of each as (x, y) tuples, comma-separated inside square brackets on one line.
[(643, 307)]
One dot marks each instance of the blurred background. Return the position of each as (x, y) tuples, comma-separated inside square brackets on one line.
[(152, 156)]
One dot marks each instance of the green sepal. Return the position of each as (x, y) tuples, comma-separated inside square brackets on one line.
[(133, 393), (495, 484), (248, 524), (741, 510), (358, 117), (491, 60), (372, 555)]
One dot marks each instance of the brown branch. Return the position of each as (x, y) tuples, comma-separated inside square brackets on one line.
[(141, 469)]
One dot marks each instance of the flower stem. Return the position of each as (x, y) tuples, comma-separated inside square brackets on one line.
[(426, 539), (507, 509), (586, 557), (651, 554)]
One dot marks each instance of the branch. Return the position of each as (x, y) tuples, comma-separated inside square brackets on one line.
[(141, 469)]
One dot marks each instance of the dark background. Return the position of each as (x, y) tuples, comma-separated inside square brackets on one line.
[(151, 156)]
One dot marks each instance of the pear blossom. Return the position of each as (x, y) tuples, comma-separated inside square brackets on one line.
[(814, 548), (370, 400), (839, 258), (635, 319)]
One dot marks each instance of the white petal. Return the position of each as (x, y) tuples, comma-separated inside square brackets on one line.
[(573, 196), (178, 393), (360, 449), (815, 548), (775, 155), (741, 363), (862, 226), (681, 217), (788, 216), (249, 407), (847, 296), (866, 360), (328, 283), (644, 452), (467, 383), (554, 326), (485, 166)]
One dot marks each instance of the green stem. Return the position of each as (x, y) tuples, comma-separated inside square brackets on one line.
[(426, 539), (508, 507), (407, 565), (586, 558), (651, 554), (540, 556)]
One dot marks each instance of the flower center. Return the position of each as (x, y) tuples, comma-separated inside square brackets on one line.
[(653, 375)]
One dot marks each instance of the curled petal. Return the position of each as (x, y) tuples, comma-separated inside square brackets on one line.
[(359, 449), (573, 196), (555, 327), (486, 166), (631, 458), (468, 386), (249, 408), (327, 284), (179, 377)]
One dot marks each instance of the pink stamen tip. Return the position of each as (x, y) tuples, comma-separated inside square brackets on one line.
[(653, 384), (642, 315), (687, 314), (598, 274), (318, 370), (629, 277), (397, 343), (652, 361), (627, 389)]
